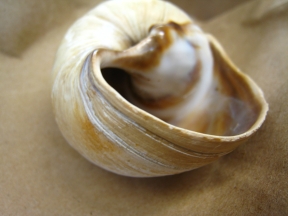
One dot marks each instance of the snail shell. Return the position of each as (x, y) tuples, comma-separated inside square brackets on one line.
[(183, 105)]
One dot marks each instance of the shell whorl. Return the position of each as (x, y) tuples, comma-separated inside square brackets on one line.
[(113, 133)]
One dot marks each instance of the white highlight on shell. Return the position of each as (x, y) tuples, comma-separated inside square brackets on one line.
[(171, 77)]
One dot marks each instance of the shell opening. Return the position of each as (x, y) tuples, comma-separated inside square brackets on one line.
[(177, 75)]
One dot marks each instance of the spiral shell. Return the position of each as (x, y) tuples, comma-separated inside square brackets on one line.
[(129, 124)]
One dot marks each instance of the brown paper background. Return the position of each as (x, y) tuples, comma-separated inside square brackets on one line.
[(40, 174)]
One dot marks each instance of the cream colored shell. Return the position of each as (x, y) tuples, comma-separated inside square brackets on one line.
[(113, 133)]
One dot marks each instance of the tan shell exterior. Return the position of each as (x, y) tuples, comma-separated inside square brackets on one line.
[(109, 131)]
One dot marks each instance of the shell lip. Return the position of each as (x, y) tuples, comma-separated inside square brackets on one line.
[(118, 100)]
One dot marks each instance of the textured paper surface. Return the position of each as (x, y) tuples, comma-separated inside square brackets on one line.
[(40, 174)]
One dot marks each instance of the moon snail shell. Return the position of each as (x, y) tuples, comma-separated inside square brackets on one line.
[(142, 91)]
